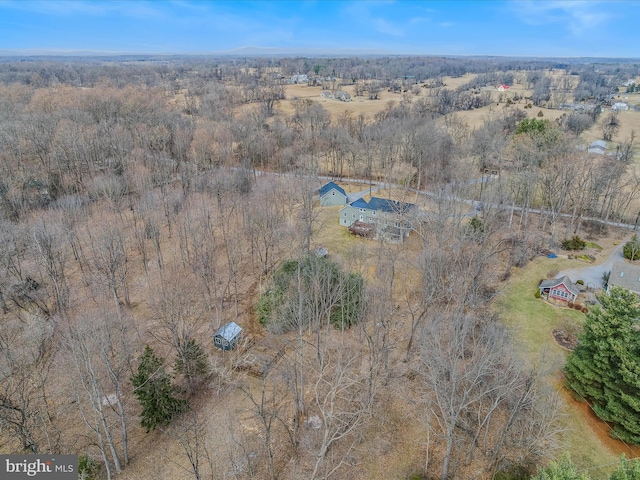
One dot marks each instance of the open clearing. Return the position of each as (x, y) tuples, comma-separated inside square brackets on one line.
[(363, 106)]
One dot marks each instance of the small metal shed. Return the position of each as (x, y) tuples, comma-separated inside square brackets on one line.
[(227, 336)]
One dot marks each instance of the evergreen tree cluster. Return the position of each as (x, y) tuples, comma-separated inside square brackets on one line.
[(574, 243), (155, 391), (532, 125), (604, 369), (191, 361), (565, 469)]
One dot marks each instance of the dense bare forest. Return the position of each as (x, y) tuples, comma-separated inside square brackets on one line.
[(149, 201)]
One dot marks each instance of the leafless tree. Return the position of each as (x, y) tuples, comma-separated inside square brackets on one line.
[(111, 188), (25, 361), (73, 212), (577, 122), (109, 261), (52, 256), (190, 431), (265, 227), (474, 387), (40, 133), (626, 149), (99, 354), (180, 320), (306, 210), (342, 404), (610, 125), (14, 246), (270, 94), (271, 411), (229, 225), (201, 248), (373, 88)]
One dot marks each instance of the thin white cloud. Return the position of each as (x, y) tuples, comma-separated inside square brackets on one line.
[(383, 26), (446, 24), (136, 9), (418, 20), (577, 16), (363, 12)]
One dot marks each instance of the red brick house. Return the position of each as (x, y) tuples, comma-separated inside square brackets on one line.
[(559, 289)]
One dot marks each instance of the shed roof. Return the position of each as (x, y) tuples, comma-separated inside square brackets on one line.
[(229, 331), (554, 282), (625, 275), (327, 187)]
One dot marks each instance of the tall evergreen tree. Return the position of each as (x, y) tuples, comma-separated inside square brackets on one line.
[(605, 366), (627, 470), (155, 392), (191, 361), (563, 469)]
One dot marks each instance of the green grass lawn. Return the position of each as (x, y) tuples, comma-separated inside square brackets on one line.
[(531, 321)]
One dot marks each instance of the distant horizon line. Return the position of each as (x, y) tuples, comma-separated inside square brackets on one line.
[(281, 52)]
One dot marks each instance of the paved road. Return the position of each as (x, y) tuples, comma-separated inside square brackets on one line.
[(592, 276)]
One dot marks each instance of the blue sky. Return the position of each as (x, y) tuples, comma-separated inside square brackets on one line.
[(510, 27)]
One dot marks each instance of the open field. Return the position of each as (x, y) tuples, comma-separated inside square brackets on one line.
[(363, 106), (357, 106), (629, 123), (629, 120)]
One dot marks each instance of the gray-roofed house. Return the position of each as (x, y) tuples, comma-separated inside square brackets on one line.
[(342, 96), (560, 289), (227, 336), (625, 275), (332, 194), (299, 78), (392, 219)]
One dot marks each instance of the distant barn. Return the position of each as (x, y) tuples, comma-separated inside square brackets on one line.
[(227, 336)]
